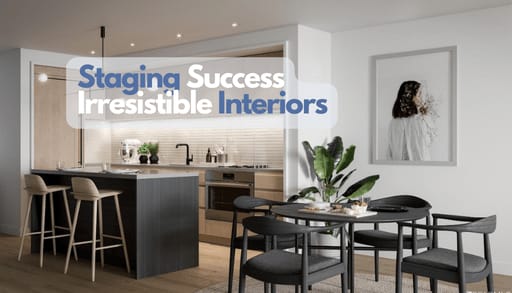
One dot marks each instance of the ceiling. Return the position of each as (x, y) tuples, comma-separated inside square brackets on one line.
[(73, 26)]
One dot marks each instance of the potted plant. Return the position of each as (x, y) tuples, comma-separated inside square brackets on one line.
[(327, 166), (143, 152), (153, 150)]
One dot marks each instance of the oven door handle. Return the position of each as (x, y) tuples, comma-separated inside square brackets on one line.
[(229, 184)]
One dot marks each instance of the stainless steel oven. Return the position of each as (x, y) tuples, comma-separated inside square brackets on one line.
[(222, 187)]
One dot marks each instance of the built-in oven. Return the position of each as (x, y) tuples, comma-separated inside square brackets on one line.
[(222, 187)]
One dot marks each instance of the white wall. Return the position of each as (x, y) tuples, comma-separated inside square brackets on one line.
[(314, 66), (9, 141), (478, 185)]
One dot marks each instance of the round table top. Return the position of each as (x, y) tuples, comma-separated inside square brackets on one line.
[(292, 211)]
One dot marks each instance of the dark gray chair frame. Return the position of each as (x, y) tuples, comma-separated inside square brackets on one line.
[(251, 205), (271, 227), (483, 226), (402, 200)]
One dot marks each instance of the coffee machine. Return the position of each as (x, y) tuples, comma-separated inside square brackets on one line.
[(128, 150)]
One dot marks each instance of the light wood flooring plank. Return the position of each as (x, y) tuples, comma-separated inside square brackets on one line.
[(26, 276)]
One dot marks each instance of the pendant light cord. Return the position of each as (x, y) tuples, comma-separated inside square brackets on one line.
[(102, 35)]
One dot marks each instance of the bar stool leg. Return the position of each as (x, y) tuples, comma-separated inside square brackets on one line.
[(41, 245), (25, 225), (120, 222), (68, 217), (72, 235), (52, 218), (100, 218), (94, 225)]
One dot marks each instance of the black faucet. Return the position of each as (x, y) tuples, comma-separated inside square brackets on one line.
[(187, 160)]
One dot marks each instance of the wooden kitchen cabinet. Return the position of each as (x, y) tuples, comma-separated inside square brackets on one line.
[(267, 184), (54, 139)]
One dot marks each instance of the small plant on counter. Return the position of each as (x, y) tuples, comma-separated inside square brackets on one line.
[(153, 149), (143, 151), (327, 165)]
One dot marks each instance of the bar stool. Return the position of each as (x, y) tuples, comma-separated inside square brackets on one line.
[(85, 189), (35, 185)]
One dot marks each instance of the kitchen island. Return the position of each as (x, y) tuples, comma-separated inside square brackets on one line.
[(159, 211)]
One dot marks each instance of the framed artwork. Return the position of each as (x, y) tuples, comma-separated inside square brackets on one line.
[(414, 107)]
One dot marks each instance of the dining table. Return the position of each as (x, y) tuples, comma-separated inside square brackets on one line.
[(297, 211)]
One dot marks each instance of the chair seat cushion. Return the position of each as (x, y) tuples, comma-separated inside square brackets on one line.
[(286, 266), (257, 242), (446, 259), (383, 239)]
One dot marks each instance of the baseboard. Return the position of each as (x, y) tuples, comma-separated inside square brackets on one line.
[(501, 267)]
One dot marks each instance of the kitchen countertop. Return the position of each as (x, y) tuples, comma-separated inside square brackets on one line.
[(206, 166), (96, 171)]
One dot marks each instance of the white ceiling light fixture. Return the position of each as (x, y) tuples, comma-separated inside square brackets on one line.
[(93, 52), (132, 44), (179, 36), (234, 24)]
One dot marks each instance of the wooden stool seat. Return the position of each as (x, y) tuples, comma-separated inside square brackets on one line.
[(102, 193), (84, 189), (35, 186)]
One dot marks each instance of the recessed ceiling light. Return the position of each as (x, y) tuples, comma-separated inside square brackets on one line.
[(234, 24), (43, 77), (179, 35), (93, 52), (132, 44)]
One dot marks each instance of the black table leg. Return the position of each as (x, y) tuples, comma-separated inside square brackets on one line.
[(351, 273)]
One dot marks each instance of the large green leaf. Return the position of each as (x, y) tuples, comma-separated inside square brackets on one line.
[(346, 178), (310, 156), (347, 158), (361, 187), (336, 179), (308, 190), (323, 163), (335, 148)]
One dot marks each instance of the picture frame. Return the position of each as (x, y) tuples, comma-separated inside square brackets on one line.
[(414, 107)]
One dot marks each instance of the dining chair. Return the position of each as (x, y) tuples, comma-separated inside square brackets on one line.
[(378, 240), (277, 266), (449, 265), (250, 205)]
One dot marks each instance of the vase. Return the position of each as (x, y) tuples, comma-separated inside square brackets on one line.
[(323, 239), (153, 159), (143, 159)]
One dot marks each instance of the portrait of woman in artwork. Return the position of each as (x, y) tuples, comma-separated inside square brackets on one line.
[(411, 130)]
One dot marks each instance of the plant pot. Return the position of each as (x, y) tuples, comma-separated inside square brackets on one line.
[(143, 159), (326, 240), (153, 159)]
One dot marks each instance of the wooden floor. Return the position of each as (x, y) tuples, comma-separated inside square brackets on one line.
[(26, 276)]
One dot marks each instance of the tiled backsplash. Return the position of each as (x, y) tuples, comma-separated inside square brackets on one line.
[(243, 146)]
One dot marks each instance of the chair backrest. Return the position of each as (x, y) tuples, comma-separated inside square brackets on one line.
[(271, 226), (410, 201), (34, 184), (84, 187), (246, 203)]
